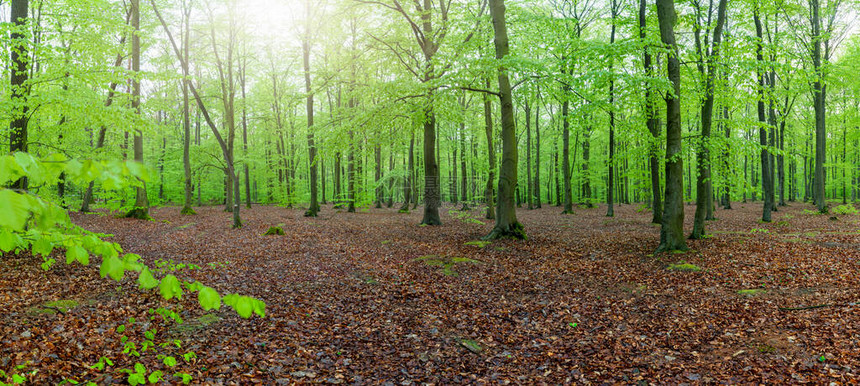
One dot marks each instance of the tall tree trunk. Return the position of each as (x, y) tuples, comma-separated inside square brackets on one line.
[(464, 194), (672, 229), (141, 202), (378, 175), (537, 154), (764, 125), (410, 176), (186, 113), (528, 154), (313, 207), (350, 174), (489, 194), (610, 194), (704, 188), (651, 122), (506, 215), (586, 175), (18, 78), (565, 162), (819, 96)]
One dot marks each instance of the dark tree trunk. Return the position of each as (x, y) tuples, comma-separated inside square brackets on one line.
[(528, 155), (537, 154), (651, 123), (610, 193), (506, 215), (141, 202), (410, 176), (704, 188), (766, 180), (819, 96), (565, 162), (672, 229), (313, 207), (18, 78), (489, 194)]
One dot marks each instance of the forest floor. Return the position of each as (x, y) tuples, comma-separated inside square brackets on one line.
[(372, 297)]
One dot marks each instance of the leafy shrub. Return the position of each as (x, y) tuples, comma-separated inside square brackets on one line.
[(845, 209)]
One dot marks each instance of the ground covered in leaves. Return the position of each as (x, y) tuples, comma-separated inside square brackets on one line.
[(371, 298)]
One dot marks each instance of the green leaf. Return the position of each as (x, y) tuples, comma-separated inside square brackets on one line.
[(146, 280), (77, 253), (209, 298), (245, 305), (14, 210), (186, 378), (112, 266), (9, 169), (120, 329), (43, 246), (169, 361), (9, 240), (155, 376), (170, 287)]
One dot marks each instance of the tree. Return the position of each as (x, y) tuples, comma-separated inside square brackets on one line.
[(651, 121), (506, 213), (18, 81), (766, 170), (141, 201), (186, 113), (707, 67), (672, 227), (313, 206)]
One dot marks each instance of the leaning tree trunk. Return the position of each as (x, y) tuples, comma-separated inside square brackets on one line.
[(506, 216), (672, 229)]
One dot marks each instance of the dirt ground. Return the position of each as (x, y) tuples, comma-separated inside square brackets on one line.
[(373, 298)]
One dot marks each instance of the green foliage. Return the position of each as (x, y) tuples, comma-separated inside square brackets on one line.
[(245, 306), (845, 209), (684, 267), (274, 231), (479, 243)]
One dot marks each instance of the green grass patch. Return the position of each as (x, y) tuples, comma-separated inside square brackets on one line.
[(445, 263), (684, 267), (752, 292), (478, 243)]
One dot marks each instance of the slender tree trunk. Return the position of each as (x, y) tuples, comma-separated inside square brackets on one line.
[(537, 155), (672, 229), (767, 182), (610, 193), (186, 114), (565, 162), (141, 202), (410, 176), (350, 175), (378, 175), (506, 215), (819, 96), (651, 123), (489, 194), (704, 189), (313, 207), (528, 155)]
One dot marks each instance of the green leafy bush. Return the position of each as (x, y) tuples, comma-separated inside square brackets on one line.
[(845, 209)]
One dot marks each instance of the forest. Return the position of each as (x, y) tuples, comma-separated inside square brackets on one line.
[(429, 191)]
